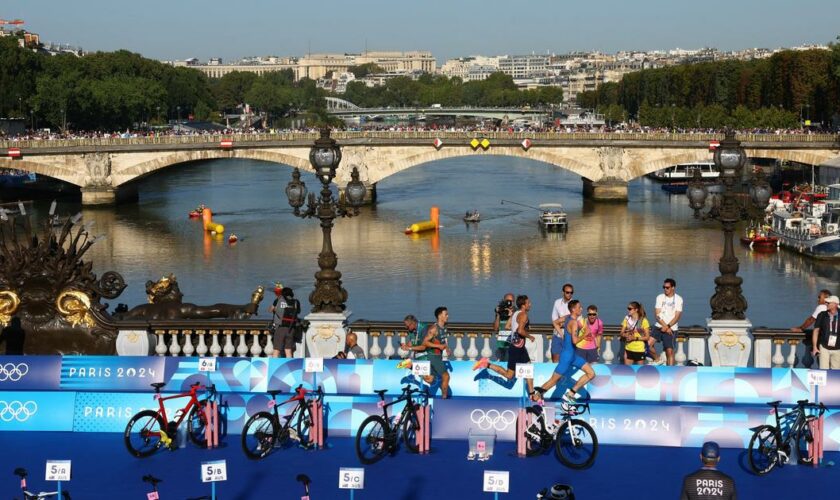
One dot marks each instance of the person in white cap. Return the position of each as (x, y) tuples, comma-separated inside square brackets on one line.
[(826, 337)]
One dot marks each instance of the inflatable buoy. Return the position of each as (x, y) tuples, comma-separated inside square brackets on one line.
[(426, 225)]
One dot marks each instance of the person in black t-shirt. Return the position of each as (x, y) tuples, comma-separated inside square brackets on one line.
[(284, 310), (708, 483)]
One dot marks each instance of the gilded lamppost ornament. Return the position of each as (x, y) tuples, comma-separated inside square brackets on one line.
[(325, 155), (728, 302), (9, 303)]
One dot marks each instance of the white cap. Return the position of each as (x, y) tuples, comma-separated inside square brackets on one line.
[(832, 298)]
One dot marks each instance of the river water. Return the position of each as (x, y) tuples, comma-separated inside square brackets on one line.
[(612, 254)]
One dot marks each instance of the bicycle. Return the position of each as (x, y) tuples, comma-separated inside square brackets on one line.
[(152, 495), (148, 430), (263, 431), (770, 445), (379, 434), (21, 473), (575, 442)]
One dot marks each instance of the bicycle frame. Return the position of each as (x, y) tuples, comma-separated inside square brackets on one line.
[(410, 405), (185, 411)]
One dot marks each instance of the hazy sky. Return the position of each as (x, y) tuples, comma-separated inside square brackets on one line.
[(178, 29)]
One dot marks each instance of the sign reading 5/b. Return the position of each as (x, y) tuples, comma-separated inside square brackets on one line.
[(213, 471), (313, 365), (496, 481), (58, 470), (351, 478), (207, 364)]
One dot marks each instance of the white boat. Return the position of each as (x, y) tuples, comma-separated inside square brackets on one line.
[(552, 217), (808, 234), (685, 171)]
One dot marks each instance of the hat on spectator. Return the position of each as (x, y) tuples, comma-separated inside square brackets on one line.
[(832, 298), (710, 451)]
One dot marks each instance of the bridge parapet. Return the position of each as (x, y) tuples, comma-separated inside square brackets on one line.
[(301, 138)]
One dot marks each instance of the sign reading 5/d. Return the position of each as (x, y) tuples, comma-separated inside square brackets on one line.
[(58, 470), (496, 481), (213, 471), (351, 478), (207, 364)]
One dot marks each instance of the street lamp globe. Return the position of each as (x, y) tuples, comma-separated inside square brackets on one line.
[(730, 157), (355, 190), (325, 156), (697, 192), (296, 190), (760, 190)]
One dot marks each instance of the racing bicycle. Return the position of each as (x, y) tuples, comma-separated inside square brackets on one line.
[(264, 430), (770, 445), (148, 430), (27, 495), (575, 442), (379, 434)]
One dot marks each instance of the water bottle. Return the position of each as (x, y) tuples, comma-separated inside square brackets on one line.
[(182, 435)]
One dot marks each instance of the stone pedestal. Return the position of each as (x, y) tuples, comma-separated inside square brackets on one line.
[(607, 190), (325, 336), (98, 196), (730, 342)]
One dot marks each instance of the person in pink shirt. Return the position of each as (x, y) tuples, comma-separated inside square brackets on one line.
[(588, 346)]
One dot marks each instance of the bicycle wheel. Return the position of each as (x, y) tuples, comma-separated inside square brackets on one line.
[(303, 425), (197, 425), (259, 435), (536, 437), (142, 433), (576, 444), (804, 438), (372, 439), (763, 452), (411, 427)]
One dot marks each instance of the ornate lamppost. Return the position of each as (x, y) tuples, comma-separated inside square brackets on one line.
[(728, 323), (325, 155)]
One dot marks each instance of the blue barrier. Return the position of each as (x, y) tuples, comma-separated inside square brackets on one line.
[(645, 405)]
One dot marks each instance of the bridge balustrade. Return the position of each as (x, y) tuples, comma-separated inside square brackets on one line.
[(214, 139), (772, 347)]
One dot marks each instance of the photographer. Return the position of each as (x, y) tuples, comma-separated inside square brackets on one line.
[(501, 325), (284, 316)]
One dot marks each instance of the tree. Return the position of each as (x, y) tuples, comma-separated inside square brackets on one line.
[(363, 70)]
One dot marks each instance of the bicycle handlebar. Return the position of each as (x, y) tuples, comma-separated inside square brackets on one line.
[(148, 478)]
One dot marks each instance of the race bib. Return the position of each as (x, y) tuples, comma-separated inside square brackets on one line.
[(832, 340)]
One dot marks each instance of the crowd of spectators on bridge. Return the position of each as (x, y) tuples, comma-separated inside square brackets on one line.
[(47, 135)]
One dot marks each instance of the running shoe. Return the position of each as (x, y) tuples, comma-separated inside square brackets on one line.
[(481, 364), (406, 363)]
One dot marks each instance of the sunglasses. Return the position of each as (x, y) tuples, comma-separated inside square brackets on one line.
[(568, 292), (666, 287), (630, 308), (591, 314)]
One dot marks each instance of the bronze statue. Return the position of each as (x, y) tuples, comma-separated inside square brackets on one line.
[(45, 283), (166, 303)]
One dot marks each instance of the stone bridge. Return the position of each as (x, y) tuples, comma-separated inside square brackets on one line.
[(105, 169)]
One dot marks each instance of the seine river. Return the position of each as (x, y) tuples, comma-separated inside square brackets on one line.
[(612, 253)]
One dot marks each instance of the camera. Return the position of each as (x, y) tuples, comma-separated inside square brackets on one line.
[(504, 309)]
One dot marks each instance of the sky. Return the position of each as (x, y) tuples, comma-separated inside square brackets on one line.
[(179, 29)]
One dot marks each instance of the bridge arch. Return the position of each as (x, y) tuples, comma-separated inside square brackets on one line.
[(63, 172), (136, 171)]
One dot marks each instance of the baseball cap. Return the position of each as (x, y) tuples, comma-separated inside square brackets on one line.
[(832, 298), (710, 450)]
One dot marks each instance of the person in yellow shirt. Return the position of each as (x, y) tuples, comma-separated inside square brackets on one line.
[(635, 330)]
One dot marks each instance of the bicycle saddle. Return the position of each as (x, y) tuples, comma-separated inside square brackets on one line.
[(274, 392), (381, 392), (802, 402), (20, 471), (774, 403), (158, 385), (148, 478)]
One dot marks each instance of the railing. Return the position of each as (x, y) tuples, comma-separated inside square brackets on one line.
[(308, 137), (381, 340)]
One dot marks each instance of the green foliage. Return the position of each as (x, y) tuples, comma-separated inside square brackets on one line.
[(363, 70), (768, 93)]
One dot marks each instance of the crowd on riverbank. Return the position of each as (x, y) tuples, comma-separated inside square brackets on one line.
[(174, 132)]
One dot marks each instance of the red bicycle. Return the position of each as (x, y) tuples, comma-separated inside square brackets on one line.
[(148, 430)]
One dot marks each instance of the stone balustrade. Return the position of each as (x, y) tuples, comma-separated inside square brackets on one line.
[(772, 348)]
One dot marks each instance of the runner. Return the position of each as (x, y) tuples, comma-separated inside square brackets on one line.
[(520, 325), (574, 327)]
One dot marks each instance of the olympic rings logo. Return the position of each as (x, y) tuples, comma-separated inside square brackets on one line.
[(17, 410), (13, 372), (492, 419)]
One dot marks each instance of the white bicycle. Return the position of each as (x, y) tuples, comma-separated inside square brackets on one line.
[(21, 473)]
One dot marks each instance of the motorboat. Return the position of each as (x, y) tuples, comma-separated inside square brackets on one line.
[(472, 216), (758, 239), (685, 172), (809, 234), (552, 217)]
